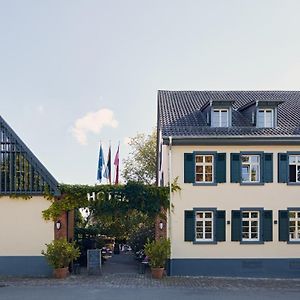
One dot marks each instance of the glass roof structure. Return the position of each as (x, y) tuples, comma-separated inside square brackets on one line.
[(20, 170)]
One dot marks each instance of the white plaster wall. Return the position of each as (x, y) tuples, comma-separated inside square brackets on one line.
[(23, 231), (230, 196)]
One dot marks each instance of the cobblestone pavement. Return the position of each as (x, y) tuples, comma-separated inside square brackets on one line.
[(138, 280), (123, 271)]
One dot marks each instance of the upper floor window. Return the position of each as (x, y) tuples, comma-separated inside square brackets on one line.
[(250, 226), (250, 168), (204, 168), (294, 225), (294, 168), (265, 118), (220, 118), (204, 225)]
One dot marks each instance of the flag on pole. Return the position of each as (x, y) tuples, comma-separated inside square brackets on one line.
[(116, 163), (107, 172), (100, 164)]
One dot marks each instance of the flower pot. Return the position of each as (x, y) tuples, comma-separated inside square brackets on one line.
[(157, 273), (61, 273)]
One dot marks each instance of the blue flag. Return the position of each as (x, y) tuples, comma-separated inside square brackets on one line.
[(100, 164)]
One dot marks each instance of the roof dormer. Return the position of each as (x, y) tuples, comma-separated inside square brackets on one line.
[(219, 112), (263, 113)]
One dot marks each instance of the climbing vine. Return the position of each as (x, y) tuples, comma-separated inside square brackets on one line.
[(106, 199)]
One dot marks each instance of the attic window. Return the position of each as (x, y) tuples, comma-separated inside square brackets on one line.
[(220, 118), (265, 118)]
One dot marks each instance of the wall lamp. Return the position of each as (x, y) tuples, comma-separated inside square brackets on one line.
[(161, 225), (58, 225)]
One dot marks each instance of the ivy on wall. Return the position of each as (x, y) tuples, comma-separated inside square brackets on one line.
[(109, 198)]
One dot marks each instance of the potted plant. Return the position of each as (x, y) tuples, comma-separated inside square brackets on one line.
[(59, 254), (158, 252)]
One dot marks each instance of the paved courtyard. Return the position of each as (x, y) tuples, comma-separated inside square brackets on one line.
[(121, 280)]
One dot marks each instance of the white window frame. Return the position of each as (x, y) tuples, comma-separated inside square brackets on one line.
[(297, 164), (250, 225), (295, 219), (204, 228), (264, 111), (219, 112), (204, 164), (251, 164)]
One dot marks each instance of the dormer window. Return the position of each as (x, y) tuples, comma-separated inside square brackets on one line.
[(265, 118), (220, 117)]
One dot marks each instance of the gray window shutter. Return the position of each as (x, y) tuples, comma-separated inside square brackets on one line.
[(236, 225), (268, 167), (282, 167), (235, 167), (267, 219), (220, 173), (189, 226), (220, 226), (283, 216), (189, 168)]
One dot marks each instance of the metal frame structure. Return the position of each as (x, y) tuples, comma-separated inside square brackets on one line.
[(20, 170)]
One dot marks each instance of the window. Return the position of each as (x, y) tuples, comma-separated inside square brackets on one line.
[(204, 226), (250, 226), (265, 118), (294, 168), (250, 168), (294, 226), (220, 118), (204, 168)]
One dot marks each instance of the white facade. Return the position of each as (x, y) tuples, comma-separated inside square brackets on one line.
[(226, 197)]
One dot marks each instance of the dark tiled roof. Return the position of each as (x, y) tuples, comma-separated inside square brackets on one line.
[(180, 113)]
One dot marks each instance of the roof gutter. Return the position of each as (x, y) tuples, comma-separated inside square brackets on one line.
[(233, 140)]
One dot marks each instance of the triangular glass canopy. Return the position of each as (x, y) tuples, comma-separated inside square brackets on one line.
[(20, 171)]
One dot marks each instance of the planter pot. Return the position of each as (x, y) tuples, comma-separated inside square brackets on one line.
[(61, 273), (157, 273)]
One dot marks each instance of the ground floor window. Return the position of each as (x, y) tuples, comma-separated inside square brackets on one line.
[(204, 226), (250, 226), (294, 225)]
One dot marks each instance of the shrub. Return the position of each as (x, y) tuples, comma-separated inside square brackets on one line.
[(60, 253), (158, 252)]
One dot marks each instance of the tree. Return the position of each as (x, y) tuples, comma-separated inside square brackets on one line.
[(141, 163)]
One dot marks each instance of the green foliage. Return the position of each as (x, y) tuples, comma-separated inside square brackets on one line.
[(138, 239), (141, 164), (60, 253), (175, 187), (158, 252), (117, 199)]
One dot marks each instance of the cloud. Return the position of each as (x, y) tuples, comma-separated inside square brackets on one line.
[(93, 122)]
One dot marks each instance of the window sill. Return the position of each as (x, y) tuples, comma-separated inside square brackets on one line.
[(205, 184), (251, 242), (293, 183), (204, 242), (252, 183), (293, 242)]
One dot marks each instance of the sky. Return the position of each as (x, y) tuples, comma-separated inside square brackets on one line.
[(77, 72)]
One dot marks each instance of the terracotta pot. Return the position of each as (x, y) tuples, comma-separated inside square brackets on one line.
[(61, 273), (157, 273)]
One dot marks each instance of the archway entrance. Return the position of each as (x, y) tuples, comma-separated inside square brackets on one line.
[(115, 219)]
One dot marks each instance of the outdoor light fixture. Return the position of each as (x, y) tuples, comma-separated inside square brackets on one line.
[(161, 225), (58, 225)]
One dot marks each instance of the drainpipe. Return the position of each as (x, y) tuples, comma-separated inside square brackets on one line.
[(169, 210)]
